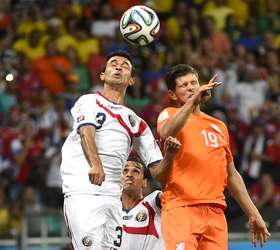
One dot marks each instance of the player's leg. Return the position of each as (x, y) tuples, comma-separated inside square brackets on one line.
[(216, 236), (85, 217), (113, 227), (175, 227)]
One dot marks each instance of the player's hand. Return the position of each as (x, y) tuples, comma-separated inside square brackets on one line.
[(204, 91), (258, 230), (96, 175), (171, 147)]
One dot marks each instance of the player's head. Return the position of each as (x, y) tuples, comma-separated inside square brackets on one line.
[(181, 80), (118, 69), (135, 175), (120, 53)]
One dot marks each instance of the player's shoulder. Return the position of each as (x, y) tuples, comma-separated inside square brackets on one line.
[(82, 103), (166, 113), (132, 116), (129, 110), (215, 121), (169, 110), (152, 196)]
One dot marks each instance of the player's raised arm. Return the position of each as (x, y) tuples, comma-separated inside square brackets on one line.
[(161, 170), (172, 125), (185, 91), (96, 172)]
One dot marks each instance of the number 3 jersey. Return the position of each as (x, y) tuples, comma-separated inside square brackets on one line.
[(141, 225), (118, 130)]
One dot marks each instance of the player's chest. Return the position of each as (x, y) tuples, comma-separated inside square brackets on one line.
[(116, 118), (198, 136), (137, 217)]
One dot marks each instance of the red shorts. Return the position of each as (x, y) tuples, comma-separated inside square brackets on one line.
[(196, 227)]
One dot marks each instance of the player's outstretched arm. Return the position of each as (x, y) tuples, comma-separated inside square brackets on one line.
[(237, 188), (160, 171), (173, 125), (96, 172)]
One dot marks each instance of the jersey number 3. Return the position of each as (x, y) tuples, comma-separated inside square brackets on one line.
[(118, 241), (100, 119), (210, 139)]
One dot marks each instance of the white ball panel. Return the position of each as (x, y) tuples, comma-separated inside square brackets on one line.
[(139, 25)]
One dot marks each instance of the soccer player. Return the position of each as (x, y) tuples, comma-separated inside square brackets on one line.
[(193, 199), (141, 216), (94, 154)]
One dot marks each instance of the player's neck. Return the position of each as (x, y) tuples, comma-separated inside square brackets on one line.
[(130, 200), (114, 94)]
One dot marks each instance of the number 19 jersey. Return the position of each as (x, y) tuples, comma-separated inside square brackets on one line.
[(199, 171)]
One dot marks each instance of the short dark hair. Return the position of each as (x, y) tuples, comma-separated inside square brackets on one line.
[(124, 54), (176, 71), (146, 171)]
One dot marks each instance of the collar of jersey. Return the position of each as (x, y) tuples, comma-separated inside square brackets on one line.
[(128, 209), (100, 94)]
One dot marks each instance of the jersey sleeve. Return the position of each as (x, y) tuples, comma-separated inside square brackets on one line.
[(146, 147), (164, 115), (84, 112)]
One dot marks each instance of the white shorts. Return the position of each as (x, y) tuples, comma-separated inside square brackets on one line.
[(94, 221)]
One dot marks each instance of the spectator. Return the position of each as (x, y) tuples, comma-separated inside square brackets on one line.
[(219, 11), (32, 207), (254, 165), (219, 39), (80, 75), (53, 69), (121, 6), (32, 46), (136, 98), (106, 25), (28, 82), (241, 10), (268, 21), (4, 214), (52, 196), (8, 100), (250, 38), (273, 164), (249, 94)]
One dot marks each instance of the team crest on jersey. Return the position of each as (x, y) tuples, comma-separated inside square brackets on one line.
[(141, 216), (80, 118), (181, 246), (131, 120), (87, 241)]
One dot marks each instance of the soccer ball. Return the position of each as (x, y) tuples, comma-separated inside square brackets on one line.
[(139, 25)]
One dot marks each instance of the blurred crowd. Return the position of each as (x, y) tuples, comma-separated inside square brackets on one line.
[(53, 51)]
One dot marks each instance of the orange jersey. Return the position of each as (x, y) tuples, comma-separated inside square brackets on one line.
[(199, 171)]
